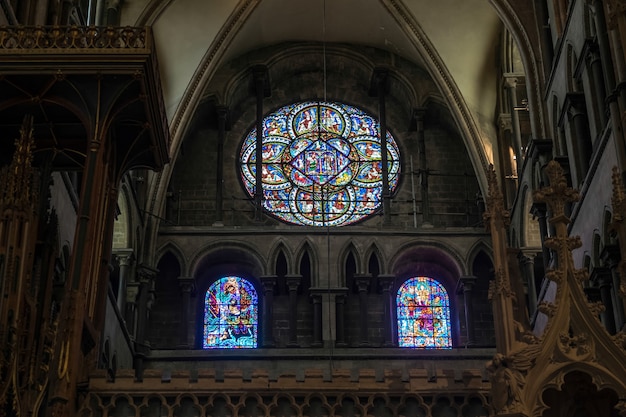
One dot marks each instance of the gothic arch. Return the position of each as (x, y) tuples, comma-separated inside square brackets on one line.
[(531, 60), (349, 248), (431, 260), (600, 378), (279, 246), (479, 247), (308, 248), (374, 250), (226, 257), (177, 252)]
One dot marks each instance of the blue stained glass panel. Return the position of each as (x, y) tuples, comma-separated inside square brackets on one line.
[(423, 309), (322, 164), (231, 318)]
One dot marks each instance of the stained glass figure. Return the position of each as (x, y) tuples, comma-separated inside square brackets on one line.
[(231, 314), (423, 314), (321, 164)]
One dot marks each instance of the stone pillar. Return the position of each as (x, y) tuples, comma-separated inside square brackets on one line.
[(604, 280), (527, 264), (577, 116), (222, 114), (539, 211), (387, 285), (293, 282), (146, 275), (468, 283), (598, 79), (610, 257), (363, 283), (268, 283), (186, 285), (340, 303), (125, 259), (317, 320), (510, 84)]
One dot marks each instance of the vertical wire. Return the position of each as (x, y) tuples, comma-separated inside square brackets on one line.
[(328, 263)]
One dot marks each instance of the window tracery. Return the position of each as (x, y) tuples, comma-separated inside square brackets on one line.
[(321, 164)]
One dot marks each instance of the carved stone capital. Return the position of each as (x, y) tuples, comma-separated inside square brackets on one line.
[(268, 282), (124, 257), (186, 284), (386, 282), (293, 282), (362, 281)]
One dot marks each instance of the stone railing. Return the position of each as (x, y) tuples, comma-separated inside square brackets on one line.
[(73, 37)]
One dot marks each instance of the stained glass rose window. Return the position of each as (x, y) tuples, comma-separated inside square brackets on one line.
[(321, 164)]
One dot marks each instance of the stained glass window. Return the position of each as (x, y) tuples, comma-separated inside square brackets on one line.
[(423, 314), (231, 314), (321, 164)]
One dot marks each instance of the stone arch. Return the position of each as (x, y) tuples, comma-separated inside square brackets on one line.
[(278, 247), (374, 251), (348, 250), (308, 248), (177, 252), (250, 259), (576, 384)]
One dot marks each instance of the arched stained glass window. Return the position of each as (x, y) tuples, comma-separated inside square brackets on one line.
[(231, 314), (321, 164), (423, 310)]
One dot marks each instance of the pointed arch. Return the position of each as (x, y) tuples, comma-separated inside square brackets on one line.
[(280, 247), (307, 249), (374, 252), (176, 251)]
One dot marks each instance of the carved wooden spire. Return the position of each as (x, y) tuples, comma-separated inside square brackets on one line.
[(18, 191), (573, 338)]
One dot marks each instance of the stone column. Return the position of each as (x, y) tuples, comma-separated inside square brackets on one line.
[(387, 285), (598, 79), (610, 257), (186, 285), (468, 283), (363, 283), (317, 320), (604, 279), (340, 303), (527, 264), (510, 84), (539, 211), (268, 283), (293, 282), (146, 275), (577, 114), (125, 259)]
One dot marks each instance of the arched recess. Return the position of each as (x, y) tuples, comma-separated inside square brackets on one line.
[(468, 127), (280, 248), (166, 314), (531, 235), (177, 252), (580, 390), (531, 60), (373, 260), (307, 257), (348, 264), (436, 263)]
